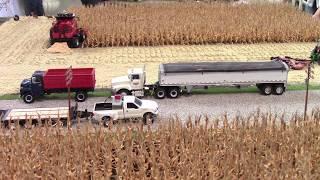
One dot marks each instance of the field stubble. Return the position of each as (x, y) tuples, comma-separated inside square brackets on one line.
[(259, 146)]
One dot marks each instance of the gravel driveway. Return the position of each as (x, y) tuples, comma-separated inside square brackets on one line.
[(211, 105)]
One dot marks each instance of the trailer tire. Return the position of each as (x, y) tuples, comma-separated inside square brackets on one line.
[(278, 89), (81, 96), (266, 89), (124, 92), (28, 98), (173, 92), (159, 93), (106, 121)]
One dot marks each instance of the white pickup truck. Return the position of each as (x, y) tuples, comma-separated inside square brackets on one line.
[(125, 107)]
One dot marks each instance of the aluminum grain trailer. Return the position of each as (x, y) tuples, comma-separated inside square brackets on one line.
[(270, 77)]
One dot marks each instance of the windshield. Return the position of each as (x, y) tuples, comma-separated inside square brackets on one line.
[(138, 101)]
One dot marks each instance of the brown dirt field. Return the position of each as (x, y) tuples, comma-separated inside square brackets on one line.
[(23, 49)]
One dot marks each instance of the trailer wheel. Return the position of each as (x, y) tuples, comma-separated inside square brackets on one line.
[(266, 89), (278, 89), (81, 96), (106, 121), (28, 98), (173, 92), (160, 93)]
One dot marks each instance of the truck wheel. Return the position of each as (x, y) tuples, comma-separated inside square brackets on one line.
[(174, 92), (106, 121), (148, 117), (124, 92), (82, 36), (28, 98), (160, 93), (81, 96), (278, 89), (266, 89), (75, 42)]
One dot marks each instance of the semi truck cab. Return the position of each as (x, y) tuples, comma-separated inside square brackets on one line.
[(33, 87), (132, 84)]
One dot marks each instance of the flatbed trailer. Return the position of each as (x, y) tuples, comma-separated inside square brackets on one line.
[(270, 77), (36, 115)]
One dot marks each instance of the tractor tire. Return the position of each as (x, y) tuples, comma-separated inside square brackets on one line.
[(82, 36), (160, 93), (81, 96), (28, 98), (76, 42)]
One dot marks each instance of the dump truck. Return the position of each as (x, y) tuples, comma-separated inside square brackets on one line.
[(37, 115), (54, 81), (125, 107), (270, 77)]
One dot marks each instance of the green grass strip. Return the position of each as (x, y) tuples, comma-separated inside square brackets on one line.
[(211, 90)]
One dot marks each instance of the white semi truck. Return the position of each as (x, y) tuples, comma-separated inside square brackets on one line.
[(174, 78), (125, 107)]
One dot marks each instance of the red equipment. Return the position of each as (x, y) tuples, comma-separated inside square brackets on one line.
[(83, 78), (54, 81), (293, 63), (65, 29)]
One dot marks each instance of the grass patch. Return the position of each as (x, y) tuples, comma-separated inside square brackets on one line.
[(212, 90)]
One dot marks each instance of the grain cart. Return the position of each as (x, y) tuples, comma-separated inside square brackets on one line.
[(54, 81), (37, 115), (65, 29), (270, 78)]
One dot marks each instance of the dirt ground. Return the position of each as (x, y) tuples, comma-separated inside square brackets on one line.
[(23, 49)]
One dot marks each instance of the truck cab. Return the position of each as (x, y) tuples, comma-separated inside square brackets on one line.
[(33, 87), (132, 84), (125, 107)]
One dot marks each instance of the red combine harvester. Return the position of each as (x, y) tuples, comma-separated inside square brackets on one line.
[(65, 29), (54, 81)]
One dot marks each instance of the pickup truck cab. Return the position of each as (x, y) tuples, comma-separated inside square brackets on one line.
[(125, 107)]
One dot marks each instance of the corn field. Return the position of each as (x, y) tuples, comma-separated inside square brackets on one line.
[(259, 146), (154, 24)]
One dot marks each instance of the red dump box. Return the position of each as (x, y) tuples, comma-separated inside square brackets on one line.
[(82, 79), (54, 81)]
